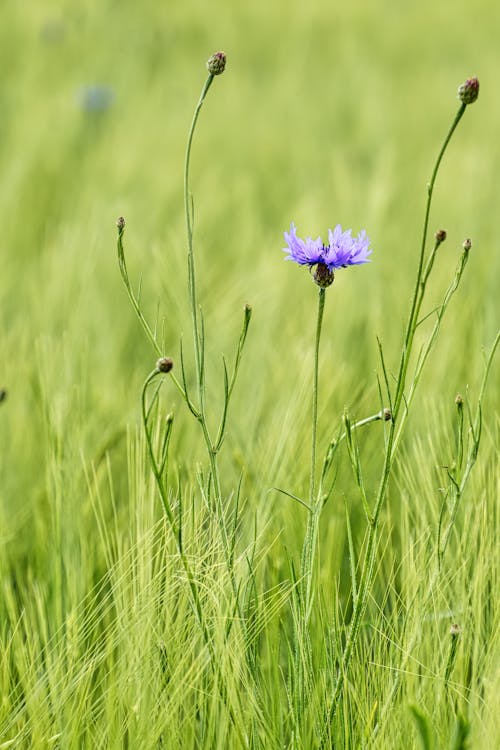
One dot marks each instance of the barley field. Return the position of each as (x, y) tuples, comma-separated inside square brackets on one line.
[(240, 509)]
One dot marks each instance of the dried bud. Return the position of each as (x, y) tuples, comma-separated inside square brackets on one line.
[(164, 364), (467, 244), (120, 223), (469, 91), (322, 275), (455, 630), (459, 400), (387, 415), (440, 236), (217, 63)]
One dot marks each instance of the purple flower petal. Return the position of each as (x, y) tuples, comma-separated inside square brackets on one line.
[(342, 249)]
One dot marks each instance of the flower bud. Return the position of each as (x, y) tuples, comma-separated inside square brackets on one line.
[(120, 223), (322, 275), (387, 415), (459, 400), (217, 63), (467, 244), (469, 91), (440, 236), (455, 630), (164, 364)]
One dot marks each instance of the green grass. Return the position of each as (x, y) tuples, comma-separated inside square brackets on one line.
[(325, 114)]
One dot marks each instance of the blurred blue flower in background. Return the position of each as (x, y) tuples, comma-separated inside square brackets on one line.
[(96, 98)]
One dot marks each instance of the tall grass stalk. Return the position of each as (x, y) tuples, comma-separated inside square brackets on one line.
[(399, 417)]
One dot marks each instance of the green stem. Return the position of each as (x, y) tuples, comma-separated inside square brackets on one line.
[(192, 584), (366, 576), (307, 562), (199, 343), (189, 229), (418, 293), (321, 307), (137, 309), (302, 644)]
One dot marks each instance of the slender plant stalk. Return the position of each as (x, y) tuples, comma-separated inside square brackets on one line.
[(366, 575), (188, 208), (319, 323), (442, 543), (157, 468), (135, 302), (308, 552), (418, 294)]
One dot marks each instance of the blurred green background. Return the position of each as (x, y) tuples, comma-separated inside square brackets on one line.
[(327, 112)]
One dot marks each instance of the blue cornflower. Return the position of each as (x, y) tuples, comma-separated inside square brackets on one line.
[(96, 98), (341, 251)]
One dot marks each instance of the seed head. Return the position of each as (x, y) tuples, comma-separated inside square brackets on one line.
[(387, 415), (469, 91), (120, 223), (164, 364), (459, 400), (467, 244), (322, 275), (455, 630), (216, 64), (440, 236)]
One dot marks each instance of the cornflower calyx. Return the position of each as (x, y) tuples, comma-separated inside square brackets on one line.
[(322, 276), (469, 91), (341, 251), (164, 364), (216, 64), (440, 236)]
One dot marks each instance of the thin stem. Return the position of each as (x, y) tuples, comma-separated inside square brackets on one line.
[(137, 308), (307, 561), (418, 293), (302, 645), (193, 587), (321, 307), (189, 229), (366, 576)]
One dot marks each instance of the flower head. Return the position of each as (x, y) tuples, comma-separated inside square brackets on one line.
[(469, 91), (216, 64), (96, 98), (164, 364), (341, 251)]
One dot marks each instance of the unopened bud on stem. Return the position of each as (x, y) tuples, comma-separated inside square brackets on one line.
[(467, 244), (216, 64), (469, 91), (440, 236), (164, 364)]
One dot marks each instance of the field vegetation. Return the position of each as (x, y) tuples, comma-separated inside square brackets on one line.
[(170, 577)]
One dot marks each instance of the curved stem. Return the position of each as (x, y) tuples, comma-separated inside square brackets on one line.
[(189, 229), (418, 293), (366, 577)]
